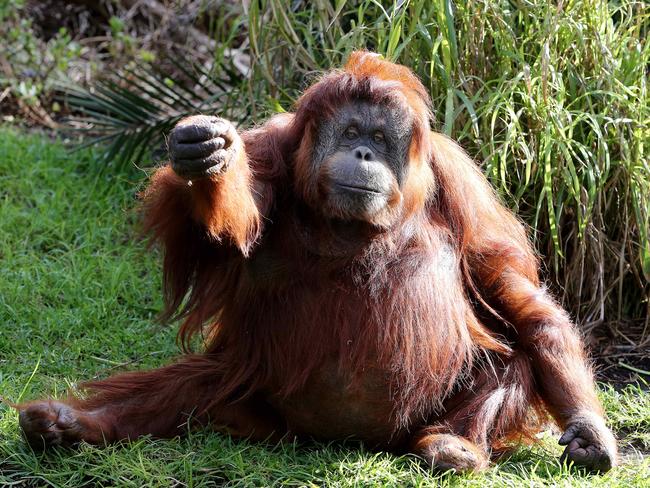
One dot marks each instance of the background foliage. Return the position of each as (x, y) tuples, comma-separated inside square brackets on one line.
[(550, 97)]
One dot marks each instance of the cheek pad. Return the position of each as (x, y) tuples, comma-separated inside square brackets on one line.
[(326, 142), (397, 157)]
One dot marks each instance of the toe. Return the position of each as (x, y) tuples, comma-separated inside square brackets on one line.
[(445, 452)]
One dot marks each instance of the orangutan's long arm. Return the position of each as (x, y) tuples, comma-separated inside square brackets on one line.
[(207, 207), (504, 271), (562, 371), (208, 182)]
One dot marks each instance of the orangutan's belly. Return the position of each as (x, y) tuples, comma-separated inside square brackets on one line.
[(332, 406)]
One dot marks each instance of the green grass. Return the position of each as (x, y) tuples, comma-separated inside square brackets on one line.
[(78, 298)]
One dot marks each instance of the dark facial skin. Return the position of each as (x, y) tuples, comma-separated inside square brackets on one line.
[(361, 157)]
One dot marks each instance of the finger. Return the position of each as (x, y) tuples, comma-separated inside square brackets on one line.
[(192, 168), (196, 150), (564, 458), (228, 132), (573, 446), (201, 167), (568, 435), (591, 456), (200, 129)]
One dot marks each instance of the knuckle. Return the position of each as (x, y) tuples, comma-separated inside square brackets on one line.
[(219, 142), (217, 156), (194, 120), (224, 128)]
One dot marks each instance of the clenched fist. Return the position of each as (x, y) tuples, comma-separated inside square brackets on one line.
[(202, 145), (589, 443)]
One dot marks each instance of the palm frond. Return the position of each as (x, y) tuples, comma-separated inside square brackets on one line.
[(130, 113)]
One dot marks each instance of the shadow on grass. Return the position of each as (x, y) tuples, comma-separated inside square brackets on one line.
[(209, 459)]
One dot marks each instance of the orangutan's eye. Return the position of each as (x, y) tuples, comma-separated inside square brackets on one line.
[(351, 133)]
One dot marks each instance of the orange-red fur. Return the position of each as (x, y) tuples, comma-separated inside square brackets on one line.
[(437, 324)]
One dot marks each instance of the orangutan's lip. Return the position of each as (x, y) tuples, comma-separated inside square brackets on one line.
[(357, 189)]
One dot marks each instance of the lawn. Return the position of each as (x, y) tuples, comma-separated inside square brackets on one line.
[(79, 294)]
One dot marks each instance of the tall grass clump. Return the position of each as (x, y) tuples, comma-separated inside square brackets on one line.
[(550, 97)]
